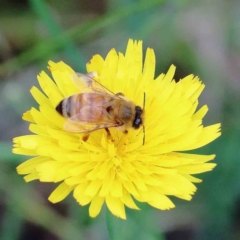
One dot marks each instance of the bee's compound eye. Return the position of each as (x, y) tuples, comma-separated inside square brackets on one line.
[(137, 120)]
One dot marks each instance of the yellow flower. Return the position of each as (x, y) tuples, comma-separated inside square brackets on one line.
[(118, 172)]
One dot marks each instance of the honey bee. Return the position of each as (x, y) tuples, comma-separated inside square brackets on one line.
[(96, 107)]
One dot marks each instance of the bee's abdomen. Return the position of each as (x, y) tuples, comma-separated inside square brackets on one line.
[(59, 108), (64, 107)]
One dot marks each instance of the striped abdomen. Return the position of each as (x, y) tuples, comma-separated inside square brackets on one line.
[(89, 107)]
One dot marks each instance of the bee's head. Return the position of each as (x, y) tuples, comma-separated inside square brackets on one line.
[(138, 121)]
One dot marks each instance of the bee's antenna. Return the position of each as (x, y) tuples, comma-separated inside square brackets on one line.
[(143, 134), (144, 102)]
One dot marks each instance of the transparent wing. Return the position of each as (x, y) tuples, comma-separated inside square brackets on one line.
[(84, 127), (85, 83), (91, 114), (90, 119), (98, 99)]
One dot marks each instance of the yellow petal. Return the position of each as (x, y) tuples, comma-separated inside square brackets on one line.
[(116, 206), (27, 116), (30, 177), (79, 196), (39, 96), (30, 165), (95, 64), (128, 201), (160, 201), (95, 206), (198, 168), (149, 65), (60, 193), (52, 116), (200, 113)]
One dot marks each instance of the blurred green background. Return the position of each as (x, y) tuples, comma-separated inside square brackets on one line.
[(200, 37)]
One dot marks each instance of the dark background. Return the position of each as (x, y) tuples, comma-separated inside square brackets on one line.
[(200, 37)]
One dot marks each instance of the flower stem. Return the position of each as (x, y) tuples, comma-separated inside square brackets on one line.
[(115, 226), (132, 228)]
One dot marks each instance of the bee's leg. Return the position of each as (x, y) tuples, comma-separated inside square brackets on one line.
[(109, 136), (85, 137)]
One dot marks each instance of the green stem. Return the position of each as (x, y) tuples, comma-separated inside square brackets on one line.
[(115, 226), (139, 225)]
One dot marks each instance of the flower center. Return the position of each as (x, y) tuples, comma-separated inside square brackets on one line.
[(117, 161), (112, 150), (114, 154)]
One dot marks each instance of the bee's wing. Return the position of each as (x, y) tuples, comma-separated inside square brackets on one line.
[(85, 83), (84, 127), (98, 99), (89, 119)]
